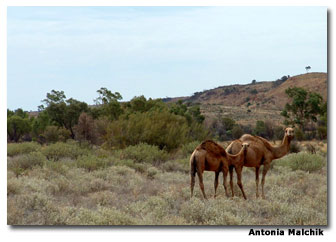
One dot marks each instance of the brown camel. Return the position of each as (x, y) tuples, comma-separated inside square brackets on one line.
[(210, 156), (260, 152)]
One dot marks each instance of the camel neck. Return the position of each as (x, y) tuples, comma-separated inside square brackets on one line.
[(236, 157), (282, 150)]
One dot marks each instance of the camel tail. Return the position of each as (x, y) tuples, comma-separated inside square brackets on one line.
[(192, 173), (193, 168)]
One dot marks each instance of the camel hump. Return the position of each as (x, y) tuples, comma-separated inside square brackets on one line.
[(247, 137), (212, 147)]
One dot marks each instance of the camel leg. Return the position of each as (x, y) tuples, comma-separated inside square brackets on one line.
[(266, 167), (216, 182), (239, 182), (231, 179), (192, 182), (257, 181), (225, 172), (200, 180)]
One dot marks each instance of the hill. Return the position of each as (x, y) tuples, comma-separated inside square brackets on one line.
[(258, 101)]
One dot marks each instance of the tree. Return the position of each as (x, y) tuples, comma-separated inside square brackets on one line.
[(141, 104), (254, 82), (304, 107), (72, 112), (85, 129), (40, 123), (307, 68), (270, 129), (63, 113), (237, 132), (191, 113), (260, 129), (108, 103), (228, 123), (18, 124)]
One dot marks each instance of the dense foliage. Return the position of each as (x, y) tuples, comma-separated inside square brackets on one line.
[(110, 122), (307, 112), (115, 124)]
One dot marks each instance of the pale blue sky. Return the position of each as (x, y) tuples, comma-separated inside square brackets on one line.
[(156, 51)]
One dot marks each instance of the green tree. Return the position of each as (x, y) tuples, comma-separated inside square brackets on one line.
[(304, 107), (270, 129), (323, 122), (108, 104), (307, 68), (278, 133), (18, 124), (40, 123), (228, 123), (237, 132), (191, 113), (141, 104), (260, 129), (63, 113)]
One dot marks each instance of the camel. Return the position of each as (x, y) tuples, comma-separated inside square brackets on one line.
[(210, 156), (260, 152)]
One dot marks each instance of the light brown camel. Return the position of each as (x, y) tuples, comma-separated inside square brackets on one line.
[(260, 152), (210, 156)]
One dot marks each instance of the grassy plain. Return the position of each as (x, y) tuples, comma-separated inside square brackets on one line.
[(72, 184)]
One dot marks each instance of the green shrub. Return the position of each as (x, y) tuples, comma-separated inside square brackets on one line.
[(160, 128), (143, 153), (139, 167), (188, 148), (22, 148), (299, 134), (181, 165), (311, 148), (151, 172), (54, 134), (102, 216), (294, 147), (13, 186), (302, 161), (20, 163), (61, 150), (91, 163), (59, 167)]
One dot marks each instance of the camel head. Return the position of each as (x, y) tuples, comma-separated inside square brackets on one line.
[(245, 145), (289, 132)]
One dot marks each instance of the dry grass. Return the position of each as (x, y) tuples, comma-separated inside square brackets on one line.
[(63, 192)]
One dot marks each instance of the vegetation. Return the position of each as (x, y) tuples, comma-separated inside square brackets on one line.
[(308, 112), (303, 161), (106, 188), (127, 163), (305, 107), (111, 123), (18, 124)]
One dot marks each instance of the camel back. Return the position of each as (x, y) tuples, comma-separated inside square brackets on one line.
[(212, 148), (265, 142)]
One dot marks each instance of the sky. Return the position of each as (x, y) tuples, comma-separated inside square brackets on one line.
[(157, 52)]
